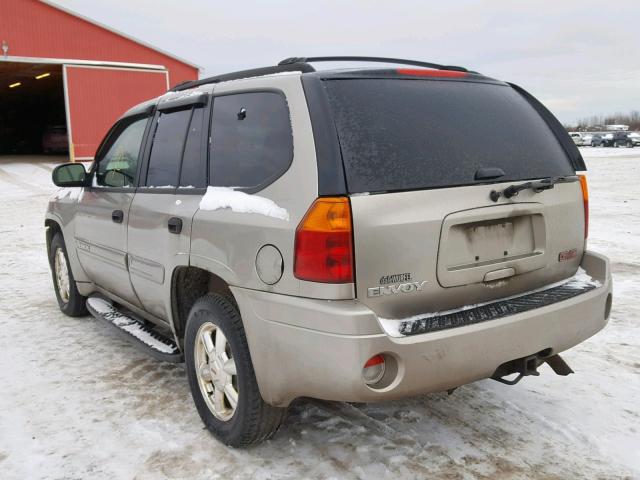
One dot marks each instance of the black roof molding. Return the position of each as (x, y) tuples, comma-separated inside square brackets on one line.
[(301, 64), (398, 61), (255, 72)]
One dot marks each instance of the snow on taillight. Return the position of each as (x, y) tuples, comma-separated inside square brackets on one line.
[(324, 242)]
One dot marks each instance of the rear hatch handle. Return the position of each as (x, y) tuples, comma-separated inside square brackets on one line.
[(537, 186)]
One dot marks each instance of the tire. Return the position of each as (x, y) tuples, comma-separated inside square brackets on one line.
[(69, 299), (211, 376)]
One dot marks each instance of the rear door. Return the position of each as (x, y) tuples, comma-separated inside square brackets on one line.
[(174, 180), (421, 158)]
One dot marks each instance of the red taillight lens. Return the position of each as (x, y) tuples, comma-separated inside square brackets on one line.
[(324, 244), (585, 199), (422, 72)]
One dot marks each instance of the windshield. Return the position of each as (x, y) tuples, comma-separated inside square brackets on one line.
[(399, 134)]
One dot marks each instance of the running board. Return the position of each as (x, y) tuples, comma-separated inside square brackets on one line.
[(143, 336)]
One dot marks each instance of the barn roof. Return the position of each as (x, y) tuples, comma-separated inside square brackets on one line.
[(117, 32)]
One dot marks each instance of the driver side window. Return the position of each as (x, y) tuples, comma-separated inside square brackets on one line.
[(118, 166)]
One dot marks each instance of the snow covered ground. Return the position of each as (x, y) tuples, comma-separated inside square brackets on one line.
[(78, 402)]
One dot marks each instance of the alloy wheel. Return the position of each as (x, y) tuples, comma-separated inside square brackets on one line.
[(62, 275), (216, 371)]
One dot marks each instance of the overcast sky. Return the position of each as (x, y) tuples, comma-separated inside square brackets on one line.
[(579, 57)]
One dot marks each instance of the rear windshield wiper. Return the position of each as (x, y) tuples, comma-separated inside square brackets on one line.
[(537, 186)]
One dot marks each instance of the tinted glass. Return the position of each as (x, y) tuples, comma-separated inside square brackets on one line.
[(118, 166), (194, 163), (252, 143), (411, 134), (166, 150)]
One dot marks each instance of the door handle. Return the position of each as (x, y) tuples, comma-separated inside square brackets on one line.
[(117, 216), (175, 225)]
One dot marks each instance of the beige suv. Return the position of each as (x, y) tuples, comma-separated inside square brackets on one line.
[(354, 235)]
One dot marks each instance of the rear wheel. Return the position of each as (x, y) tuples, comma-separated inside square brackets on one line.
[(221, 375), (69, 299)]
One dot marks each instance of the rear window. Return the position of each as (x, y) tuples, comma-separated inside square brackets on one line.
[(400, 134)]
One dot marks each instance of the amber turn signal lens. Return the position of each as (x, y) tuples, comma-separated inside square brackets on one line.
[(324, 244)]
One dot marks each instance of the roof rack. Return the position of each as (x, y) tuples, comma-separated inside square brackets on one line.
[(301, 64), (399, 61), (254, 72)]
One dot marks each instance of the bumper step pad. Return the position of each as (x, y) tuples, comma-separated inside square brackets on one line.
[(493, 311), (140, 333)]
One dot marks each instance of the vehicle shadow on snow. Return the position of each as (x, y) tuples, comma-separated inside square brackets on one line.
[(431, 435)]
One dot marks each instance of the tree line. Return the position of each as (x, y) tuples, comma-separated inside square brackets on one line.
[(598, 122)]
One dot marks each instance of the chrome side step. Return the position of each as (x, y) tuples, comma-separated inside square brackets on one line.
[(142, 335)]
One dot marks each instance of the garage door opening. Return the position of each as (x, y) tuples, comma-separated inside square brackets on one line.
[(32, 109)]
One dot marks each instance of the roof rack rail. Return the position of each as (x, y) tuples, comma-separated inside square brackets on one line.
[(399, 61), (255, 72)]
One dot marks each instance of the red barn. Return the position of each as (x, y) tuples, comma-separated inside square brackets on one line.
[(63, 74)]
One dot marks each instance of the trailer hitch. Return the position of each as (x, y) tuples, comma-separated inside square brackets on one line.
[(526, 366)]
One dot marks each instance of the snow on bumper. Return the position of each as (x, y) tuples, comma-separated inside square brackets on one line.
[(312, 357)]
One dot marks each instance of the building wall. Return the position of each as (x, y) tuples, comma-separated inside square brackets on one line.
[(99, 96), (34, 29)]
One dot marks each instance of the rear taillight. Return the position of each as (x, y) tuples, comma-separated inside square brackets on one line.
[(423, 72), (324, 242), (585, 199)]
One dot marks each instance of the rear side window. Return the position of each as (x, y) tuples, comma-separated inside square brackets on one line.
[(167, 147), (118, 165), (251, 140), (414, 134)]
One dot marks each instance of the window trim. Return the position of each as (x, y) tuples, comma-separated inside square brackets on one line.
[(148, 114), (204, 143), (262, 185)]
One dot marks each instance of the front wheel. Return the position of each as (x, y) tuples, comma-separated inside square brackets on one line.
[(69, 299), (221, 375)]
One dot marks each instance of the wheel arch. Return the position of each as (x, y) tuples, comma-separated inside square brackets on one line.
[(51, 227), (188, 284)]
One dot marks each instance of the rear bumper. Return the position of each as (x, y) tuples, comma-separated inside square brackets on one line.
[(316, 348)]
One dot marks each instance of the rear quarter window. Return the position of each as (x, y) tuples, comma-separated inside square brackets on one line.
[(251, 140), (401, 134)]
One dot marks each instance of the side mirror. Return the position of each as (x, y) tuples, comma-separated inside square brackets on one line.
[(69, 175)]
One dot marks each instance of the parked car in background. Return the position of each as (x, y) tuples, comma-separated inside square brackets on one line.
[(617, 139), (579, 138), (635, 139), (596, 140), (55, 140)]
